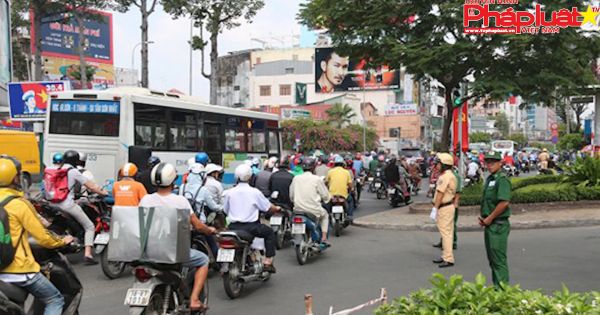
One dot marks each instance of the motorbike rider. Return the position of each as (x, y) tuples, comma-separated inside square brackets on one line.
[(308, 192), (57, 159), (81, 162), (243, 204), (202, 158), (261, 180), (393, 175), (339, 181), (71, 208), (280, 181), (144, 176), (473, 169), (414, 172), (163, 176), (24, 271), (322, 168), (127, 192)]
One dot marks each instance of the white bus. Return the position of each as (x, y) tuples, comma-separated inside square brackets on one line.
[(504, 146), (104, 124)]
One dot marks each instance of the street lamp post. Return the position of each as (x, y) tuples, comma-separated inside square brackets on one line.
[(133, 55)]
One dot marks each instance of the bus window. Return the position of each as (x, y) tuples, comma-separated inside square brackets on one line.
[(256, 140), (84, 124), (273, 142), (183, 138), (212, 134), (235, 140)]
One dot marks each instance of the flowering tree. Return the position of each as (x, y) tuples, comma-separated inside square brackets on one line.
[(320, 135)]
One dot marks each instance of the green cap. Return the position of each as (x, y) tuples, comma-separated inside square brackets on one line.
[(493, 156)]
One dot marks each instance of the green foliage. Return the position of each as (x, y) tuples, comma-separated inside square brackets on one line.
[(519, 138), (340, 115), (501, 123), (519, 182), (480, 137), (321, 135), (584, 172), (573, 141), (455, 296)]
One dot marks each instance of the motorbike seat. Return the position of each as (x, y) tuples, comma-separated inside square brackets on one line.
[(241, 234), (310, 216), (13, 292)]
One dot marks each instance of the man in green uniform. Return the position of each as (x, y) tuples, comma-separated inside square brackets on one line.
[(495, 212)]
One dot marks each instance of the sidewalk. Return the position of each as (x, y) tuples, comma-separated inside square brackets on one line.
[(553, 216)]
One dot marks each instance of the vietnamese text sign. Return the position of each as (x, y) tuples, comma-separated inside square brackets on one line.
[(290, 113), (85, 107), (401, 109), (29, 100)]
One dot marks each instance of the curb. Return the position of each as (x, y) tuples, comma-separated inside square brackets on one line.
[(430, 227)]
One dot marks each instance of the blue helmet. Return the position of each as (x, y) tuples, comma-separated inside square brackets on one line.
[(202, 158), (57, 158), (153, 161)]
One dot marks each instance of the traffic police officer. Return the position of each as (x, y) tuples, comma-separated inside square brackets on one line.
[(459, 187), (495, 212), (444, 208)]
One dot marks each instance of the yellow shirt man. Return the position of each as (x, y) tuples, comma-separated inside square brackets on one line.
[(338, 180)]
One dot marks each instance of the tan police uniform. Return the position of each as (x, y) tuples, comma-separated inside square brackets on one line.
[(446, 185)]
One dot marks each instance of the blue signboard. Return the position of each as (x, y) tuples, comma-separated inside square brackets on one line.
[(60, 37), (85, 107), (587, 127), (29, 100)]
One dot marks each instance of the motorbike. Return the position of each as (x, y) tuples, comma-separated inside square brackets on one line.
[(396, 196), (510, 170), (240, 255), (162, 289), (472, 180), (280, 222), (339, 215), (307, 236), (56, 267), (379, 185)]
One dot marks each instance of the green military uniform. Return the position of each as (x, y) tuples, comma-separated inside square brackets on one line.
[(497, 188), (459, 188)]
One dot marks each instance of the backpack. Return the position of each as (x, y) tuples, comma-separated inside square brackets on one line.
[(77, 186), (7, 251), (192, 198), (56, 184)]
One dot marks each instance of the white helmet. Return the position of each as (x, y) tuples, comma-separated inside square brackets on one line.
[(211, 168), (196, 168), (163, 175), (243, 172), (190, 163), (270, 163)]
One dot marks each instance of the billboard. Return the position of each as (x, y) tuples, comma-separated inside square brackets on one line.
[(60, 37), (401, 109), (29, 100), (62, 69), (337, 73), (292, 113)]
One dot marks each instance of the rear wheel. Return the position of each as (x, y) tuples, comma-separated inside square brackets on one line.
[(111, 269), (155, 304), (233, 286), (337, 228), (380, 194), (280, 236), (302, 251)]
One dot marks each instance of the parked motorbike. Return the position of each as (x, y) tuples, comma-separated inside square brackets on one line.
[(307, 236), (281, 222), (61, 274), (162, 289), (339, 215), (240, 256)]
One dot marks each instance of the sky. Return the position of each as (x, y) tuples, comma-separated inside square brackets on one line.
[(169, 55)]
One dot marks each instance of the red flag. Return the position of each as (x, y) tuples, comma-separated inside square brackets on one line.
[(512, 100), (465, 127), (455, 129), (39, 92)]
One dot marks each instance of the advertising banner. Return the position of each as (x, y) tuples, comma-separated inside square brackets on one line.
[(336, 73), (65, 69), (301, 93), (60, 37), (401, 109), (29, 100), (291, 113)]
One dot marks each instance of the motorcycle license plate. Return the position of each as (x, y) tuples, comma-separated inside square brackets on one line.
[(298, 229), (138, 297), (102, 239), (337, 209), (276, 220), (391, 191), (225, 255), (377, 185), (431, 185), (370, 179)]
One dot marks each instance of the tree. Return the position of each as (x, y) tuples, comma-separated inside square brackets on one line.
[(80, 11), (321, 135), (340, 115), (146, 7), (427, 38), (502, 125), (572, 141), (519, 138), (19, 57), (475, 137), (216, 16)]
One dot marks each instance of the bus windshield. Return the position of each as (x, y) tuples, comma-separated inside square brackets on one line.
[(85, 117)]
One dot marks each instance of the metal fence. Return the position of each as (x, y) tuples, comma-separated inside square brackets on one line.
[(382, 299)]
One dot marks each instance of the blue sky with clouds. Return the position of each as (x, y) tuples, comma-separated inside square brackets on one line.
[(169, 55)]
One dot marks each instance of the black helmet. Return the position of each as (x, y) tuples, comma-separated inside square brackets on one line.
[(153, 161), (71, 157), (309, 163)]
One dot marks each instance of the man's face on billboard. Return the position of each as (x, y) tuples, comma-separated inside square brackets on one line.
[(335, 69), (30, 102)]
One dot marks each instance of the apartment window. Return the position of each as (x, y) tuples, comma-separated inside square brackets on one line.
[(289, 70), (265, 90), (285, 89), (236, 87)]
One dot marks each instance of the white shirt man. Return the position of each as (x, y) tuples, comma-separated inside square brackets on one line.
[(308, 192), (472, 169)]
